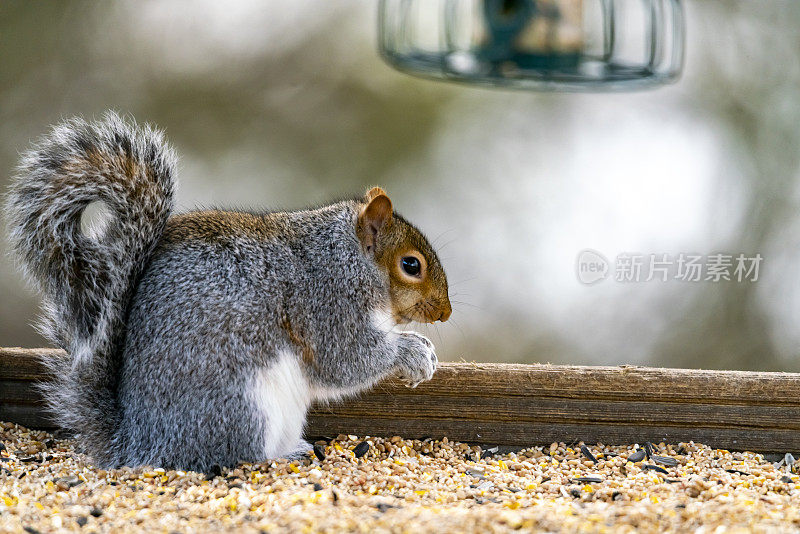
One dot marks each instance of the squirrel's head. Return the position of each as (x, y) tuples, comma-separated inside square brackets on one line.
[(417, 283)]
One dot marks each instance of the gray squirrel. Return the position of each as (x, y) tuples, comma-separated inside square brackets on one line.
[(202, 338)]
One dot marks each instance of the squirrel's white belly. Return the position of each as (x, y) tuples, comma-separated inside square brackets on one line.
[(282, 393)]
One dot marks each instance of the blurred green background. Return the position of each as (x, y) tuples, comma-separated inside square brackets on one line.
[(285, 103)]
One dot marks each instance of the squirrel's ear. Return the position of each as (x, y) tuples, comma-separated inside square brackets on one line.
[(374, 192), (373, 217)]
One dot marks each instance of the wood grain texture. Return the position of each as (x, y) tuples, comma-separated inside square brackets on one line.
[(24, 364), (513, 404)]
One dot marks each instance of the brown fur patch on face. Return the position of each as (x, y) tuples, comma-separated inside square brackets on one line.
[(424, 299)]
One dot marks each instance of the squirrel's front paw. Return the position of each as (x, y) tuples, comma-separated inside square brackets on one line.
[(417, 358)]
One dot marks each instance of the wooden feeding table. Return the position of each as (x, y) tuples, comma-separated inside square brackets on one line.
[(526, 405)]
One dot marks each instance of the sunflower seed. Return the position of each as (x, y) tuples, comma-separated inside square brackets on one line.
[(361, 449), (664, 460), (477, 473), (650, 467), (637, 456), (488, 453), (588, 454), (587, 480), (788, 460), (215, 471), (737, 472), (319, 452), (69, 482), (382, 506)]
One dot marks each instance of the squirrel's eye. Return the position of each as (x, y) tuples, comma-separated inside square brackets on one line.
[(411, 265)]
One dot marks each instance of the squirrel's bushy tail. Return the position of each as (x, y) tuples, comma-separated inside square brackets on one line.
[(87, 280)]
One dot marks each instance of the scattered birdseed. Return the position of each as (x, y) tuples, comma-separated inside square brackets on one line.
[(399, 487)]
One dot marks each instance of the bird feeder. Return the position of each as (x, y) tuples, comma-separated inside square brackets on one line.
[(550, 45)]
